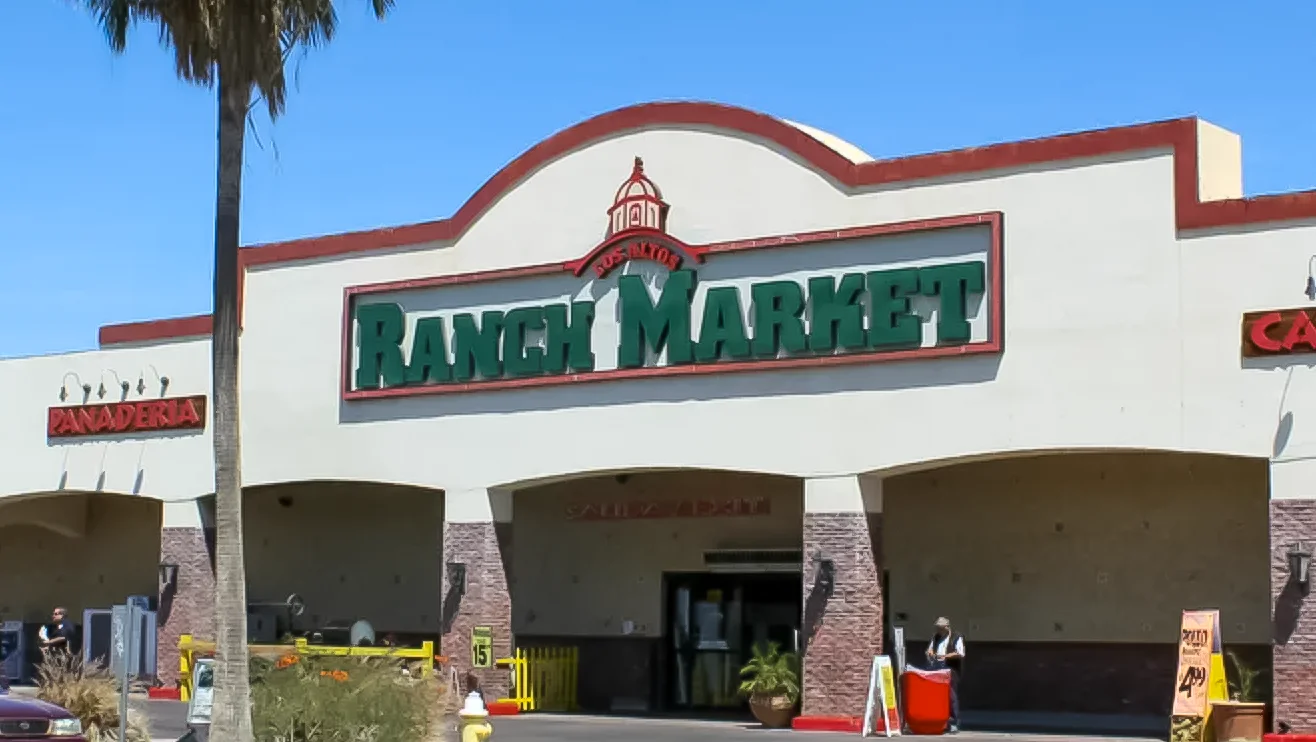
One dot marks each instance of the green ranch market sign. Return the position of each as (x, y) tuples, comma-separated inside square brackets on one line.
[(867, 294)]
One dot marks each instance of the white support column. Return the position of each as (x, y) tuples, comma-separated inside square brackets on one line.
[(842, 623), (186, 603), (477, 558), (1293, 608), (852, 494)]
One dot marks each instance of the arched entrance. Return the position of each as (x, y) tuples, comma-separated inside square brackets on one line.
[(75, 550), (662, 580), (351, 550), (1068, 573)]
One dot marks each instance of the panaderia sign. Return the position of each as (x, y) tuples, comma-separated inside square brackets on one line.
[(125, 417), (644, 303)]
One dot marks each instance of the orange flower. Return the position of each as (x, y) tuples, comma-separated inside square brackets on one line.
[(339, 675), (288, 660)]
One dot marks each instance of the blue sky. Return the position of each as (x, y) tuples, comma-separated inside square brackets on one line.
[(107, 163)]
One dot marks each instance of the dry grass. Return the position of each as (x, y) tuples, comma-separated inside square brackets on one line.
[(89, 693), (340, 699)]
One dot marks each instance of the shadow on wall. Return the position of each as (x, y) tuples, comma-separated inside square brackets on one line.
[(1288, 607), (877, 376), (815, 604)]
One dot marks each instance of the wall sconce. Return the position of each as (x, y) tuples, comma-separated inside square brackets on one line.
[(1311, 278), (64, 388), (123, 385), (141, 380), (168, 574), (1300, 565), (457, 577)]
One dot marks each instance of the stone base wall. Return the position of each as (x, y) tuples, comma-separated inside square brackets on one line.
[(1074, 677), (1294, 617), (843, 625), (486, 550), (187, 606)]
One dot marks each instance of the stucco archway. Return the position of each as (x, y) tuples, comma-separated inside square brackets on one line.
[(76, 550), (606, 562), (1068, 572), (351, 550)]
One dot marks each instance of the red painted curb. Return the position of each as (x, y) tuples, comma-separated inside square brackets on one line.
[(852, 724), (163, 694), (1290, 738), (503, 708)]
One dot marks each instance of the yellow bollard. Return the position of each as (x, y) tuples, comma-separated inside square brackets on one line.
[(185, 667)]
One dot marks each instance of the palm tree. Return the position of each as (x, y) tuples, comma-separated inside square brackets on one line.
[(239, 48)]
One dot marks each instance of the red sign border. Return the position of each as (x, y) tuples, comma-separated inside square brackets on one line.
[(993, 344)]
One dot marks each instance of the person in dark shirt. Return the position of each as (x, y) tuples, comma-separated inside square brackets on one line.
[(59, 633)]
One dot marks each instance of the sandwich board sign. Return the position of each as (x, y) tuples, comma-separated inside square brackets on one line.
[(882, 699), (1200, 678)]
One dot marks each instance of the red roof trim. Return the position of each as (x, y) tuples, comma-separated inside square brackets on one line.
[(160, 329), (1178, 135)]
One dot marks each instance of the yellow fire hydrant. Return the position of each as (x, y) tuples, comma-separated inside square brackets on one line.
[(473, 720)]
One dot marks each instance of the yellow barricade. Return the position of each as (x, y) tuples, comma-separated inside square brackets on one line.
[(543, 678), (189, 649)]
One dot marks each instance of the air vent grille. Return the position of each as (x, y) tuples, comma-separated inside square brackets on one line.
[(754, 560)]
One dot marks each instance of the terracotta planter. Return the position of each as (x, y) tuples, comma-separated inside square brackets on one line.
[(1233, 721), (774, 712)]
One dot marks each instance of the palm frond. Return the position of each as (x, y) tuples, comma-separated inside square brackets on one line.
[(249, 41)]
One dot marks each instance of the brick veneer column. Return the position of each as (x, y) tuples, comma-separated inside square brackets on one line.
[(188, 605), (1294, 614), (477, 532), (843, 625)]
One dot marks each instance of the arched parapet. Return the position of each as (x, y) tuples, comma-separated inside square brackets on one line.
[(845, 460)]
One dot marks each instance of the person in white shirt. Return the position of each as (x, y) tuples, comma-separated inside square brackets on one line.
[(946, 651)]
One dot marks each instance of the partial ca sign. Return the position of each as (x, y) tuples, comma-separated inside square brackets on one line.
[(1279, 332)]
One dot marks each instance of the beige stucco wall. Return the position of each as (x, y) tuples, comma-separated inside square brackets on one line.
[(350, 550), (577, 578), (1081, 548), (115, 554)]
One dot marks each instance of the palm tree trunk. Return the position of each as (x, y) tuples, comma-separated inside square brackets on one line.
[(231, 713)]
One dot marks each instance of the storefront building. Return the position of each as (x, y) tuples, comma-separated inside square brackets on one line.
[(686, 377)]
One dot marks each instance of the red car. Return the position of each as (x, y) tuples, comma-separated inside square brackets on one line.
[(31, 720)]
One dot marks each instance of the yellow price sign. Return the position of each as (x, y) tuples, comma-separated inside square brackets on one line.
[(482, 647)]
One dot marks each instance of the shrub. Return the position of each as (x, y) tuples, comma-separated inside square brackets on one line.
[(1245, 682), (771, 672), (89, 693), (342, 699)]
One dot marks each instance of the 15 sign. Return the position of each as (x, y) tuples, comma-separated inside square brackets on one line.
[(481, 647)]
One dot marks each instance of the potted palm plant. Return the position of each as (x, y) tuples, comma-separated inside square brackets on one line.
[(771, 681), (1243, 717)]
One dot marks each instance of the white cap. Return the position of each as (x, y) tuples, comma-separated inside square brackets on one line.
[(474, 706)]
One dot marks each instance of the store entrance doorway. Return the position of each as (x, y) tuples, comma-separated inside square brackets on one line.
[(713, 622)]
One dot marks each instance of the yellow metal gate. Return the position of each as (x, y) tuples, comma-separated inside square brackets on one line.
[(543, 678)]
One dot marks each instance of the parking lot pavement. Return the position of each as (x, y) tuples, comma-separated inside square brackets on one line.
[(605, 729), (167, 724)]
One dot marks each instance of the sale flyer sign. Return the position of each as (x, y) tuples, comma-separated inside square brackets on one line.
[(1200, 678)]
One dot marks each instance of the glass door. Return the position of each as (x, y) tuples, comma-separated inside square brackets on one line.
[(714, 622)]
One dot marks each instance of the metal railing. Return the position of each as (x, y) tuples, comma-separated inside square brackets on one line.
[(543, 678)]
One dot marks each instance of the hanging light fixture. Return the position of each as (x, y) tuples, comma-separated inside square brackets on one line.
[(1300, 565)]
